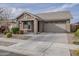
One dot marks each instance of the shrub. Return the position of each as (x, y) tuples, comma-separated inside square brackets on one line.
[(9, 35), (15, 30), (76, 42), (76, 52), (77, 33), (6, 31)]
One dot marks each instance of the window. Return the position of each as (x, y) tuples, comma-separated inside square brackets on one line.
[(68, 21), (27, 24)]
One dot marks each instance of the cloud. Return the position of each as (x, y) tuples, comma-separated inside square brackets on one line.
[(63, 7)]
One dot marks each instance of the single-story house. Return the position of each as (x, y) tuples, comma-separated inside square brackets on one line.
[(56, 22)]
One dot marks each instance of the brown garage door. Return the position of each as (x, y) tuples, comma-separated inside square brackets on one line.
[(55, 27)]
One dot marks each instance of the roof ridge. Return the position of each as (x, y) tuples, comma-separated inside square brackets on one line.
[(52, 12)]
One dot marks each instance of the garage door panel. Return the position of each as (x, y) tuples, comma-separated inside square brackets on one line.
[(55, 27)]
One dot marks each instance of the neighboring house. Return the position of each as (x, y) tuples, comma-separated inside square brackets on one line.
[(7, 23), (74, 26), (77, 25), (56, 22)]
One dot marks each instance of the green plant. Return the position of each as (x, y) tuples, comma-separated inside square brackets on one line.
[(15, 30), (5, 32), (77, 33), (9, 34)]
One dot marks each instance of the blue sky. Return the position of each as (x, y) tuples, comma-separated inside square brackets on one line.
[(17, 8)]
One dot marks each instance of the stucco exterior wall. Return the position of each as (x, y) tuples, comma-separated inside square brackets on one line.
[(68, 25), (24, 17), (41, 26)]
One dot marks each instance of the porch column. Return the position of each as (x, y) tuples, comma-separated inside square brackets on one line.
[(35, 26), (68, 25), (21, 25)]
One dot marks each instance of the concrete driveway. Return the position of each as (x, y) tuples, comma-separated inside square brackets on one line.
[(44, 44)]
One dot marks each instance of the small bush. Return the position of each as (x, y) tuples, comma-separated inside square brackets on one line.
[(77, 33), (9, 35), (15, 30), (5, 32), (76, 42), (76, 52)]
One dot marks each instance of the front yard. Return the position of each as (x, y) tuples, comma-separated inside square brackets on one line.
[(44, 44), (16, 36)]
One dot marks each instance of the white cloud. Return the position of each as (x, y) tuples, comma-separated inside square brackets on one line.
[(63, 7)]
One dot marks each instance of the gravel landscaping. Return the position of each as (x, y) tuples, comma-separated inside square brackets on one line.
[(2, 43), (71, 39), (21, 37), (7, 53), (17, 37)]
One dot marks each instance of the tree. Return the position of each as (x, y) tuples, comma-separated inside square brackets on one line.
[(5, 13), (1, 10)]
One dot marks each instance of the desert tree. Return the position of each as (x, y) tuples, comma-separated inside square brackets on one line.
[(5, 13)]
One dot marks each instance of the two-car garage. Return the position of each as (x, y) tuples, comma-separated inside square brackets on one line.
[(56, 22), (55, 27)]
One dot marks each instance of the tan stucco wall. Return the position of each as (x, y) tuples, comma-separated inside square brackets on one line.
[(41, 26), (21, 25), (24, 17)]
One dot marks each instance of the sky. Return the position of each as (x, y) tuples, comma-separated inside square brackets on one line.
[(35, 8)]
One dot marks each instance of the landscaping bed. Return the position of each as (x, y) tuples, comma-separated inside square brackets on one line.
[(70, 41), (3, 43), (20, 37), (74, 52), (75, 40), (17, 36), (14, 33)]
